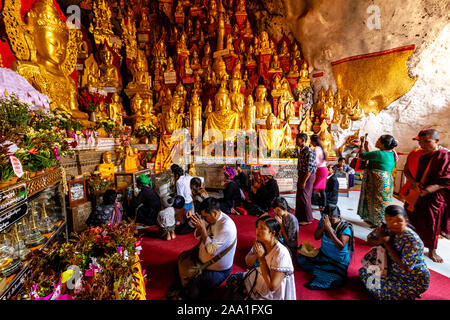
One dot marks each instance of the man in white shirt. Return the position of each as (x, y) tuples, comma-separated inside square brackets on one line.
[(216, 232)]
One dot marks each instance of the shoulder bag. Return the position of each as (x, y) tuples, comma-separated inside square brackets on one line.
[(190, 266)]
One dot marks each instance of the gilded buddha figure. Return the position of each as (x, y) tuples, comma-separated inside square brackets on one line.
[(272, 137), (284, 50), (223, 118), (91, 75), (131, 161), (293, 70), (146, 114), (182, 45), (83, 51), (107, 168), (237, 99), (195, 61), (356, 112), (250, 60), (275, 65), (264, 45), (139, 70), (241, 7), (248, 32), (286, 105), (195, 115), (327, 139), (220, 69), (276, 87), (237, 73), (170, 66), (337, 108), (295, 52), (109, 76), (206, 61), (46, 52), (307, 126), (347, 105), (115, 109), (129, 35), (304, 81), (102, 28), (249, 114), (263, 107)]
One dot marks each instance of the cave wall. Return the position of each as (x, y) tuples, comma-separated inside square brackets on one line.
[(332, 30)]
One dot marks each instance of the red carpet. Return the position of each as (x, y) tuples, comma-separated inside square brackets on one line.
[(159, 258)]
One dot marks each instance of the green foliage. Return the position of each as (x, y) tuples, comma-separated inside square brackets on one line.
[(14, 113)]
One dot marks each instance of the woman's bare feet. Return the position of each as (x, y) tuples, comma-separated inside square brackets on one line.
[(173, 235), (434, 256), (168, 236)]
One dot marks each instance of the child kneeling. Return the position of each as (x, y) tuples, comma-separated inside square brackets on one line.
[(166, 218)]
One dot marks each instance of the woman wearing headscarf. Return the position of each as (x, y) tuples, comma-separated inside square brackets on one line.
[(262, 194), (147, 204), (378, 184), (232, 193), (329, 266)]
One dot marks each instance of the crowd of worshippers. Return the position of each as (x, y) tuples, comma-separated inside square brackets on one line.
[(394, 269)]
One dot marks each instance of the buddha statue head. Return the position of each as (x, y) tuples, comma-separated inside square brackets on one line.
[(235, 85), (136, 103), (261, 93), (106, 56), (50, 34), (222, 100), (107, 157), (249, 101), (338, 100)]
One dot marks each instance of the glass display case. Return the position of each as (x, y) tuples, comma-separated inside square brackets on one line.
[(32, 216)]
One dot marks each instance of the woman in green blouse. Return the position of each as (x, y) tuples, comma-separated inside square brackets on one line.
[(378, 184)]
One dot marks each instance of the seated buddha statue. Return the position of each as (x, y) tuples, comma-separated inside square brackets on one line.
[(115, 110), (195, 61), (139, 70), (330, 98), (241, 7), (187, 66), (327, 139), (263, 107), (288, 140), (307, 126), (230, 45), (107, 168), (345, 121), (220, 68), (237, 73), (208, 110), (206, 61), (181, 45), (347, 107), (284, 50), (91, 75), (276, 87), (83, 50), (223, 118), (170, 66), (286, 105), (293, 70), (250, 60), (264, 45), (271, 139), (46, 57), (144, 25), (249, 114), (130, 164), (195, 115), (356, 112), (248, 32), (109, 76), (295, 52), (304, 81), (275, 65), (146, 114)]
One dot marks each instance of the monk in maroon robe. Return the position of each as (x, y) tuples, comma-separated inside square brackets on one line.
[(432, 206)]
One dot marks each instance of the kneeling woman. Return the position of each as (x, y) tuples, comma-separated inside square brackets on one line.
[(275, 273), (408, 276), (329, 266)]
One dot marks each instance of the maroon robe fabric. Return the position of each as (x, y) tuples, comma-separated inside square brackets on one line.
[(431, 211)]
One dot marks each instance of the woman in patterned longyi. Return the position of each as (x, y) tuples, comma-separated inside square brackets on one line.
[(408, 276)]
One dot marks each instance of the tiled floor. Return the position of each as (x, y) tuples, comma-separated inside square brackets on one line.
[(349, 206)]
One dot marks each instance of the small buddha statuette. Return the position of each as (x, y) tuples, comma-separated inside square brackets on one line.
[(107, 168), (275, 65), (356, 112)]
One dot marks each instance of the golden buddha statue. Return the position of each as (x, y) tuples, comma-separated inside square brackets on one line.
[(250, 60), (161, 52), (91, 74), (275, 65), (307, 125), (326, 139), (264, 46), (330, 98), (146, 114), (107, 168), (195, 61), (337, 108), (208, 110), (46, 52), (223, 118), (241, 7), (271, 138), (197, 84), (109, 76), (170, 67), (212, 10), (102, 27), (295, 52), (256, 46), (206, 61), (276, 87), (356, 112), (249, 114), (83, 51), (284, 50), (272, 46), (220, 69), (115, 109), (130, 164), (236, 32), (316, 126), (187, 66), (181, 92), (322, 105), (288, 140), (129, 35), (144, 25), (336, 116), (237, 73), (304, 81), (136, 103), (263, 107), (230, 46), (345, 122), (245, 78), (237, 99), (286, 105), (195, 115), (181, 45), (139, 70), (220, 33), (293, 70), (170, 121), (347, 106), (248, 32)]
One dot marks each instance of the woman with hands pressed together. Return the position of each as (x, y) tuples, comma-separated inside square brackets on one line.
[(408, 276), (329, 266), (275, 271)]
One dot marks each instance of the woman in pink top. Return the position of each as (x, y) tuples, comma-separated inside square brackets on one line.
[(322, 171)]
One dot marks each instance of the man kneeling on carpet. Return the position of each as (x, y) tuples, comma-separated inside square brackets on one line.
[(213, 255), (167, 218), (329, 264)]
